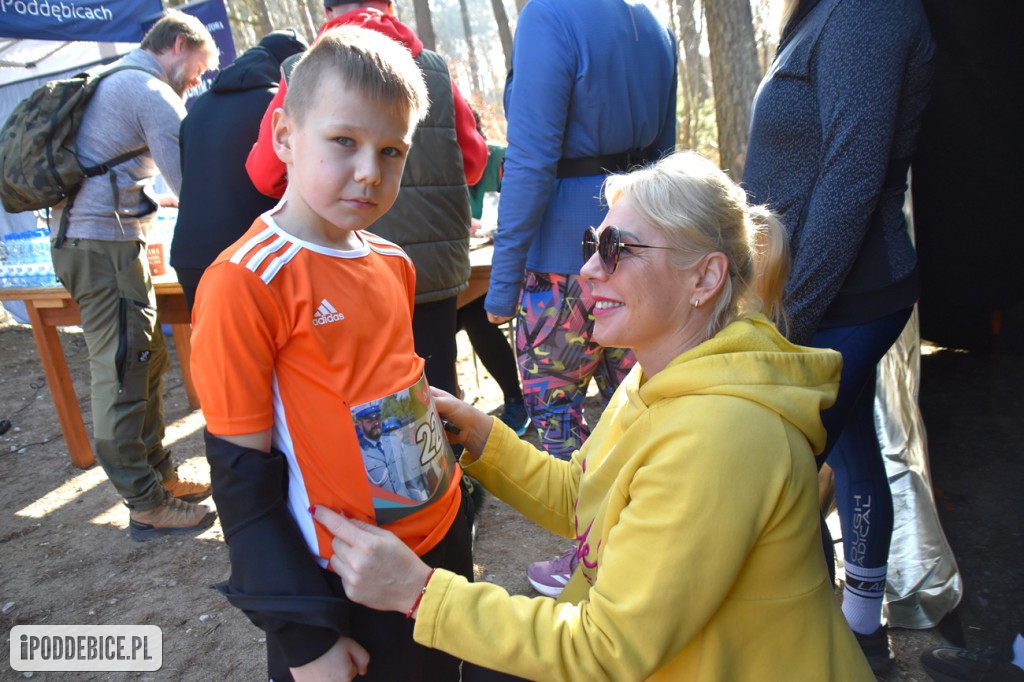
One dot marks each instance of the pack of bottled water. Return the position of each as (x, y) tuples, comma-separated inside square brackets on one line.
[(25, 260)]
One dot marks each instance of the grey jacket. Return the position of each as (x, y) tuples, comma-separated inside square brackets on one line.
[(129, 110), (431, 217), (833, 129)]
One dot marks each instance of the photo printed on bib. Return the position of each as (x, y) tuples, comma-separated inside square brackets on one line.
[(408, 461)]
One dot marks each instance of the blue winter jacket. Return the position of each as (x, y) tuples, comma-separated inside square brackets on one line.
[(588, 78)]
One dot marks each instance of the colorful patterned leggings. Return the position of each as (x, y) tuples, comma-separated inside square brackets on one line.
[(557, 358)]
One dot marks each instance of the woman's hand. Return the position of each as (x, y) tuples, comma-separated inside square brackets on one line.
[(473, 426), (342, 662), (377, 569)]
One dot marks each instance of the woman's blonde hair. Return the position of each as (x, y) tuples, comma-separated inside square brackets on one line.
[(700, 210)]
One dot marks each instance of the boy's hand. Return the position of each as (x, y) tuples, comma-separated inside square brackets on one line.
[(342, 662), (473, 425), (377, 569), (498, 319)]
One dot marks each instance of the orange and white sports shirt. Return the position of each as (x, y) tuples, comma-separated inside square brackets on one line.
[(292, 336)]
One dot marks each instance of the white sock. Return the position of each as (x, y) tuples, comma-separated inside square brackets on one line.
[(1018, 651), (862, 597)]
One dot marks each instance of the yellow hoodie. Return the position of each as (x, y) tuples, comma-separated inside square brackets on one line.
[(694, 505)]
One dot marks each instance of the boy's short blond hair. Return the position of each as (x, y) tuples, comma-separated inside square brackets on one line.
[(382, 69)]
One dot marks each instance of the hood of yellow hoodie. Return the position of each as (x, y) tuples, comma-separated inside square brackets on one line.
[(749, 359)]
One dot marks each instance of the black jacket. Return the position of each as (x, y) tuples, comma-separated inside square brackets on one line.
[(218, 202)]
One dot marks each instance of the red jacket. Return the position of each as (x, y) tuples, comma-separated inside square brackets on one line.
[(269, 173)]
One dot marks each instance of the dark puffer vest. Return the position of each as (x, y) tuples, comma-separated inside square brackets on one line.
[(430, 218)]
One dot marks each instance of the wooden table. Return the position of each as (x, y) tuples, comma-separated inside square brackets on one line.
[(50, 307), (479, 273)]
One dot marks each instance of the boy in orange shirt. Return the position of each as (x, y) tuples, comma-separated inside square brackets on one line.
[(300, 326)]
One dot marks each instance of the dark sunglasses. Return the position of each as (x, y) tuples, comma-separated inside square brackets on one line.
[(608, 246)]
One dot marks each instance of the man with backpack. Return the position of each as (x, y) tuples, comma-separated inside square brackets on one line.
[(102, 262)]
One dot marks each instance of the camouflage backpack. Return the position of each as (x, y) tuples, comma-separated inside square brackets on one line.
[(39, 166)]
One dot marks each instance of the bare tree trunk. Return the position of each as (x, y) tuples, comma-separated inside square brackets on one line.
[(309, 21), (520, 4), (316, 15), (504, 32), (424, 24), (690, 37), (735, 73), (692, 84), (262, 12), (474, 66), (682, 127)]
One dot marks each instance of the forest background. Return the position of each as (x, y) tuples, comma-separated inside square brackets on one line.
[(724, 48)]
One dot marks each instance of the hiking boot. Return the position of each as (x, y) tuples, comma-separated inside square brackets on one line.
[(515, 417), (953, 664), (549, 577), (185, 489), (172, 517), (876, 649)]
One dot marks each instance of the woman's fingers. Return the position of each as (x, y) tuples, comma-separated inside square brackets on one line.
[(377, 569)]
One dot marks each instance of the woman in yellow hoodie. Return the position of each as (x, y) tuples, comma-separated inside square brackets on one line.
[(693, 503)]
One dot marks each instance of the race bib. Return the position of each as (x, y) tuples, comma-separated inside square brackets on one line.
[(408, 461)]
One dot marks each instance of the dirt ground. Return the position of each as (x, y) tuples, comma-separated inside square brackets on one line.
[(65, 555)]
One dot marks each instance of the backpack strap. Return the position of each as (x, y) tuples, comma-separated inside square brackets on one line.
[(106, 166), (62, 226)]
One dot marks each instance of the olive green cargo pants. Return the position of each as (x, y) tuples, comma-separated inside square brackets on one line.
[(111, 284)]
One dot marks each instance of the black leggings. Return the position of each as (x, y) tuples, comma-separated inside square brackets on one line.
[(493, 348), (433, 332)]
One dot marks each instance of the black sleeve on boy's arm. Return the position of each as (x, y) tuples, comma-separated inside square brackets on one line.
[(274, 579)]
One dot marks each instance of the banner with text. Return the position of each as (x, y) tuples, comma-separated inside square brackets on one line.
[(106, 20)]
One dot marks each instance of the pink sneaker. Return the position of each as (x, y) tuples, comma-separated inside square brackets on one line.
[(549, 577)]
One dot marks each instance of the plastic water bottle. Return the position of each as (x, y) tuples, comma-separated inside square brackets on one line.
[(40, 246), (13, 248), (17, 276)]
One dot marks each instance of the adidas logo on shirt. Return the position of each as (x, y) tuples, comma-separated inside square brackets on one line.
[(326, 314)]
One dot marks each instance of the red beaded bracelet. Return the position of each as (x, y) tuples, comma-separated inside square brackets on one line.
[(416, 604)]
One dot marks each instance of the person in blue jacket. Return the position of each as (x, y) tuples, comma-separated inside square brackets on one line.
[(592, 90), (833, 130)]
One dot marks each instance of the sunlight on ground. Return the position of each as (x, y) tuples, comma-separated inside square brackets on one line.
[(184, 427), (114, 516), (80, 484), (94, 476)]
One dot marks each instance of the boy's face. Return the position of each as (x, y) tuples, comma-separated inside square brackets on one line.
[(345, 163)]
